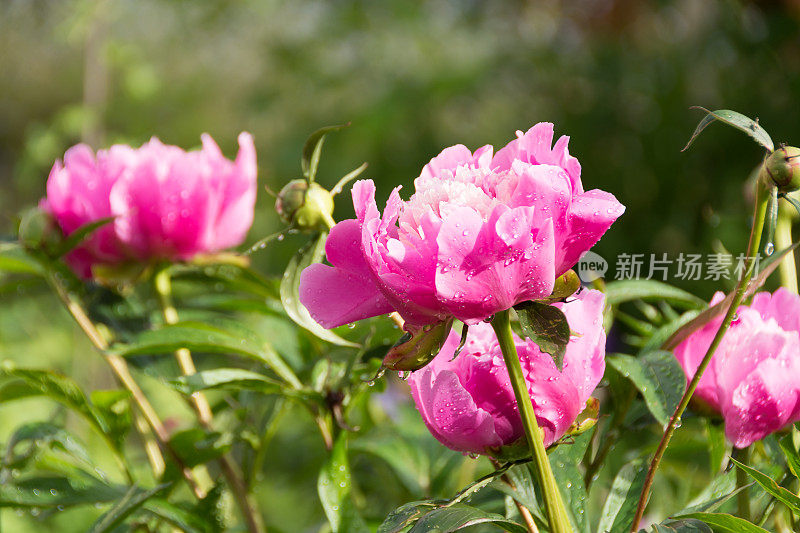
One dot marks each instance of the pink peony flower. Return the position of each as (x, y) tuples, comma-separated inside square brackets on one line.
[(468, 403), (168, 204), (479, 234), (752, 379)]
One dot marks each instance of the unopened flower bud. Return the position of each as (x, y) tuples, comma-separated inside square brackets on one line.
[(307, 207), (418, 346), (782, 169), (37, 229)]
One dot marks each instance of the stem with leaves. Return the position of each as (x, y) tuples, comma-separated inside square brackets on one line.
[(554, 505), (233, 476), (123, 375), (763, 192)]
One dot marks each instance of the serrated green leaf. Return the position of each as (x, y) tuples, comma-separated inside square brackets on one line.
[(738, 121), (334, 486), (123, 508), (627, 290), (788, 498), (290, 284), (565, 461), (547, 326), (658, 376), (620, 506), (725, 523), (313, 148)]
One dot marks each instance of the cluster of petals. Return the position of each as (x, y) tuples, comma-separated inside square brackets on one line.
[(468, 403), (753, 379), (166, 203), (481, 232)]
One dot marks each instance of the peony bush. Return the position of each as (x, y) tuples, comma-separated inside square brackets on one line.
[(459, 358)]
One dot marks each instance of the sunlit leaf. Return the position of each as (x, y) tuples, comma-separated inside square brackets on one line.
[(787, 497), (658, 376), (725, 523), (290, 284), (738, 121), (449, 519), (565, 461), (53, 491)]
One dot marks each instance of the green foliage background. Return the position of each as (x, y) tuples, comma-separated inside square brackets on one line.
[(413, 77)]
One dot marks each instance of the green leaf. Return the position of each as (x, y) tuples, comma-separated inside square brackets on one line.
[(114, 407), (738, 121), (45, 434), (449, 519), (334, 486), (123, 508), (725, 523), (238, 379), (197, 446), (620, 507), (689, 525), (313, 148), (405, 515), (53, 491), (80, 234), (621, 291), (290, 284), (658, 376), (17, 260), (790, 452), (717, 445), (788, 498), (179, 517), (408, 461), (202, 337), (547, 326), (565, 461)]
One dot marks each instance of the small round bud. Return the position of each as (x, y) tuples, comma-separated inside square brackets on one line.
[(308, 207), (37, 229), (782, 169)]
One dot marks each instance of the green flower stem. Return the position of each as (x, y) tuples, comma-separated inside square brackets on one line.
[(759, 216), (121, 371), (742, 498), (556, 512), (783, 240), (254, 521)]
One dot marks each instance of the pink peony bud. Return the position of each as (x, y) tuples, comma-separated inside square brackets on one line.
[(168, 204), (479, 234), (468, 403), (752, 379)]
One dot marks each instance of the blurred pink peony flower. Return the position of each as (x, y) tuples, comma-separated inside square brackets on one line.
[(752, 379), (168, 204), (468, 403), (479, 235)]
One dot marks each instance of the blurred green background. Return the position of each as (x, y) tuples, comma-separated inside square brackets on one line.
[(413, 77)]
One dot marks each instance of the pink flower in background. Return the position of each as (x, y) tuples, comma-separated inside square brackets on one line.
[(167, 203), (468, 403), (753, 379), (480, 234)]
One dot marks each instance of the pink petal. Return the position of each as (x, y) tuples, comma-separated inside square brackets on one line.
[(590, 216), (584, 360)]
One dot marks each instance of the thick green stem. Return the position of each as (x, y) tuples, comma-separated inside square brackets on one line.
[(762, 199), (233, 476), (742, 498), (783, 240), (556, 512)]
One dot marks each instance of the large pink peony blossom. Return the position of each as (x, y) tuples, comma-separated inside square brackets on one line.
[(753, 379), (479, 234), (468, 403), (167, 203)]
